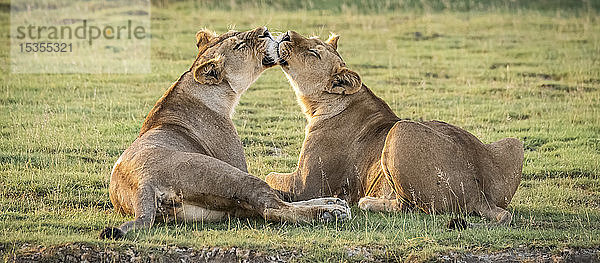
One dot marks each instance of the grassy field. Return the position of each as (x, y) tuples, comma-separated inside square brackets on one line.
[(514, 69)]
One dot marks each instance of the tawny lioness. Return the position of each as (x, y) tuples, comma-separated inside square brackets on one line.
[(356, 147), (188, 163)]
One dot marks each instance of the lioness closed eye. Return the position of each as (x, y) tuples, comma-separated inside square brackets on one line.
[(356, 147), (188, 163)]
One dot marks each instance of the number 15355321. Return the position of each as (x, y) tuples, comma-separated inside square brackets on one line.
[(29, 47)]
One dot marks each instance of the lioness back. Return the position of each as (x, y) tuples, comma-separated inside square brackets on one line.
[(440, 167)]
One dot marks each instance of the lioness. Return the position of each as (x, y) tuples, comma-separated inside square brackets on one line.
[(356, 147), (188, 163)]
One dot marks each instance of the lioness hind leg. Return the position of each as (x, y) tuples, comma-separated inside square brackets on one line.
[(375, 204), (298, 213), (323, 201), (222, 180)]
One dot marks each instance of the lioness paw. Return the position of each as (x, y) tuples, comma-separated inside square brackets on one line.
[(330, 213)]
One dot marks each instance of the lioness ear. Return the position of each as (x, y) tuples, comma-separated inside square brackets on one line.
[(204, 36), (332, 41), (345, 81), (209, 72)]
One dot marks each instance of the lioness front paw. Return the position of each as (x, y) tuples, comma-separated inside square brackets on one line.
[(366, 202), (329, 213)]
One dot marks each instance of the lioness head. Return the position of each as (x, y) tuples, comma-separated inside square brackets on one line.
[(314, 67), (237, 58)]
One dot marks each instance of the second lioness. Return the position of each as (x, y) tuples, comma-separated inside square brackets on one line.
[(356, 147)]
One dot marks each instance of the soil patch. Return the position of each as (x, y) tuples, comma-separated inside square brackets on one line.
[(78, 252)]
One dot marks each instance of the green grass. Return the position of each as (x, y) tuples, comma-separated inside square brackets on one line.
[(523, 70)]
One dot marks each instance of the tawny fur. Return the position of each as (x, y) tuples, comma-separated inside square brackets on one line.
[(355, 146), (188, 162)]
